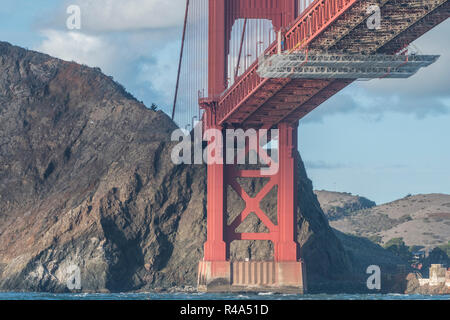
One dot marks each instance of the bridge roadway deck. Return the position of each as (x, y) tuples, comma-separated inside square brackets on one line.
[(260, 102)]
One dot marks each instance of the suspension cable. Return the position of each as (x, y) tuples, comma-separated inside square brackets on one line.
[(181, 59), (238, 65)]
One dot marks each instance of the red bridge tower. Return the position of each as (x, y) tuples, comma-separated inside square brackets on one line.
[(216, 272)]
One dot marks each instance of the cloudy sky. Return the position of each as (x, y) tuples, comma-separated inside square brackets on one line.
[(381, 139)]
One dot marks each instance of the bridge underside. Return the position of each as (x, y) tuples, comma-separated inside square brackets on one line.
[(274, 101), (337, 66)]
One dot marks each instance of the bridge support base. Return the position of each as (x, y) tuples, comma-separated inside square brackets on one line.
[(252, 276)]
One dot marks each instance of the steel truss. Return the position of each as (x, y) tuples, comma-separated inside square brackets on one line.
[(342, 66)]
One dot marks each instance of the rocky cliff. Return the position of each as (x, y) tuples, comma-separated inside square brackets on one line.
[(86, 180)]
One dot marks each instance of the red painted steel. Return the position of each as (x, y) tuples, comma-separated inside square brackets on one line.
[(286, 248), (311, 23), (274, 103), (282, 233), (250, 92), (215, 248), (222, 15)]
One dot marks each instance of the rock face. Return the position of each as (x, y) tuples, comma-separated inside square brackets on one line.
[(86, 180), (337, 205)]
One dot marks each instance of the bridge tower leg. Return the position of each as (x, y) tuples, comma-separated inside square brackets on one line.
[(217, 273), (286, 272), (287, 247)]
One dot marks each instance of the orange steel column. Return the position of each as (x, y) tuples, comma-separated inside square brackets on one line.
[(215, 246), (222, 14), (217, 48), (286, 248), (215, 270)]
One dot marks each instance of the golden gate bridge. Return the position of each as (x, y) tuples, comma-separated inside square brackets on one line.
[(266, 64)]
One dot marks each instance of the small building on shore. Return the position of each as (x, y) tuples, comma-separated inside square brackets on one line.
[(438, 276)]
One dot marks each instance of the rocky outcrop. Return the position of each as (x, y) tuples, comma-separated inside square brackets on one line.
[(86, 180)]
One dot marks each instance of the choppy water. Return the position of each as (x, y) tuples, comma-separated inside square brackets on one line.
[(203, 296)]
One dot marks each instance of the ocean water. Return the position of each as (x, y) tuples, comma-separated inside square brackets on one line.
[(205, 296)]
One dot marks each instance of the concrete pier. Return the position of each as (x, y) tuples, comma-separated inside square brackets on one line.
[(252, 276)]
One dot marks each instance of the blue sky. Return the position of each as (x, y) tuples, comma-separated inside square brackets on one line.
[(381, 139)]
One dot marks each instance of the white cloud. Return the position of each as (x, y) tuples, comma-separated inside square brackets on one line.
[(136, 41), (75, 46), (142, 62), (160, 74)]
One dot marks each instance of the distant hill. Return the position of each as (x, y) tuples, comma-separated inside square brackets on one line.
[(421, 220), (337, 205)]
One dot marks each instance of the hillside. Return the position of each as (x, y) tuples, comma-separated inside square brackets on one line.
[(422, 220)]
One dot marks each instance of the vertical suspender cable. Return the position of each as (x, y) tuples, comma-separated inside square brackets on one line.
[(236, 72), (181, 59)]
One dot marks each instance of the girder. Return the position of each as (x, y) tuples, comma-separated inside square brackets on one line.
[(342, 66), (343, 30), (397, 16)]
